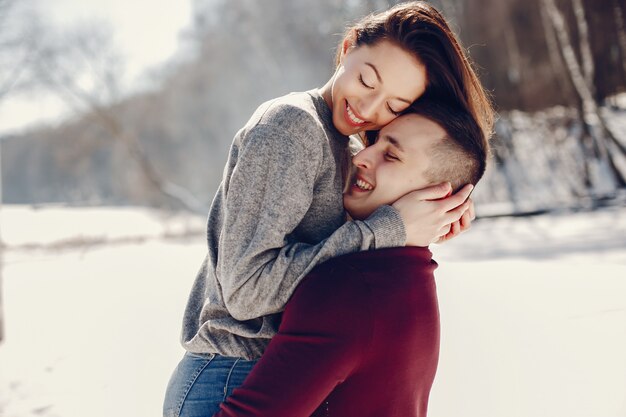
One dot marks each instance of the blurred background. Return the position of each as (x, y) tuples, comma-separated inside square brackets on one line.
[(115, 122), (138, 107)]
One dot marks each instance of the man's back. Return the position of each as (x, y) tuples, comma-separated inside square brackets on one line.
[(398, 367), (360, 336)]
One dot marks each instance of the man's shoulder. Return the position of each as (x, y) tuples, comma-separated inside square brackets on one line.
[(374, 261), (337, 277), (332, 289)]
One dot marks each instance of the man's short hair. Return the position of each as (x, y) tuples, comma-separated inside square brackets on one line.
[(461, 156)]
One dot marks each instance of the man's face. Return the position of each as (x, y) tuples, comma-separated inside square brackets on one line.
[(393, 166)]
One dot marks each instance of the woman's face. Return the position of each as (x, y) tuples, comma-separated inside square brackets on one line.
[(373, 84)]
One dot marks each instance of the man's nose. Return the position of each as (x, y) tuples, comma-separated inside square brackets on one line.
[(363, 159)]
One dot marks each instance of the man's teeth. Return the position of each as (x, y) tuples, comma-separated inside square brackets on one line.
[(363, 185), (353, 118)]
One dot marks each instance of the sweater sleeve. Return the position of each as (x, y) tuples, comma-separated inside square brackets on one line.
[(269, 193), (325, 330)]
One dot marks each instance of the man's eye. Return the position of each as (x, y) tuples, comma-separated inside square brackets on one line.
[(363, 82), (391, 157)]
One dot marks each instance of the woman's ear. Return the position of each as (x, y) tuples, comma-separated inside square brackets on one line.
[(348, 42)]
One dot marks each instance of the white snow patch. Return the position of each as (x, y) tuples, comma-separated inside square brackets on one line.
[(533, 314), (24, 225)]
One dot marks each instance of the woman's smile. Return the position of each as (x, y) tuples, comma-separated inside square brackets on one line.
[(352, 117)]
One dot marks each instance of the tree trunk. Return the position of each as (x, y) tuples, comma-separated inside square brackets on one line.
[(591, 114), (558, 67), (621, 32), (585, 48)]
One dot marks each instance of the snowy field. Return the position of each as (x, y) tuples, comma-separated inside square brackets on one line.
[(533, 313)]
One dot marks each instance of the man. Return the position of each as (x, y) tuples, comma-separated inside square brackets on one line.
[(360, 335)]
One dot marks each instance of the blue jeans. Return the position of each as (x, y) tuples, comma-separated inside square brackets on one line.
[(201, 382)]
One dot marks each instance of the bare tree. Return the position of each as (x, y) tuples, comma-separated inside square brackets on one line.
[(605, 143), (15, 52), (585, 47), (83, 68), (16, 48), (554, 54)]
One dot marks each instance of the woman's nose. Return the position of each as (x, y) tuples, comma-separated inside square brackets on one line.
[(369, 106)]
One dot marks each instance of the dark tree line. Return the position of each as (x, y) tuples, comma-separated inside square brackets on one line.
[(155, 147), (514, 44)]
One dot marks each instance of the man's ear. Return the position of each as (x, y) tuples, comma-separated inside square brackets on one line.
[(348, 43)]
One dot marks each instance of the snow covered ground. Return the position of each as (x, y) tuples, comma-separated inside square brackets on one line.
[(533, 313)]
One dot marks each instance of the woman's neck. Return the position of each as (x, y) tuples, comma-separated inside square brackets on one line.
[(327, 92)]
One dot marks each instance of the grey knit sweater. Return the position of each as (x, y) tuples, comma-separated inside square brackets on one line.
[(277, 213)]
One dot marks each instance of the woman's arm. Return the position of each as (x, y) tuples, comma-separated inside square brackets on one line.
[(326, 327), (269, 193), (267, 196)]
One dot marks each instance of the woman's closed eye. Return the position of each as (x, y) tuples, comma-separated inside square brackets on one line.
[(392, 111), (363, 82)]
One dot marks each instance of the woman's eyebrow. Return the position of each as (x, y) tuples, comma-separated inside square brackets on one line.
[(380, 80)]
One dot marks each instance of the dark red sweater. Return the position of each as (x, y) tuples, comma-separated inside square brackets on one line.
[(358, 338)]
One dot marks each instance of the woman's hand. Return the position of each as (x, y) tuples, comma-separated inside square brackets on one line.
[(460, 226), (432, 213)]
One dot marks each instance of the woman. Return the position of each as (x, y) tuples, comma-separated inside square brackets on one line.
[(278, 211)]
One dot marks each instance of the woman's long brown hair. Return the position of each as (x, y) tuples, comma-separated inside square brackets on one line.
[(421, 30)]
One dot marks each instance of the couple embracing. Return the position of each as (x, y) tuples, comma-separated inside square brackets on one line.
[(316, 296)]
